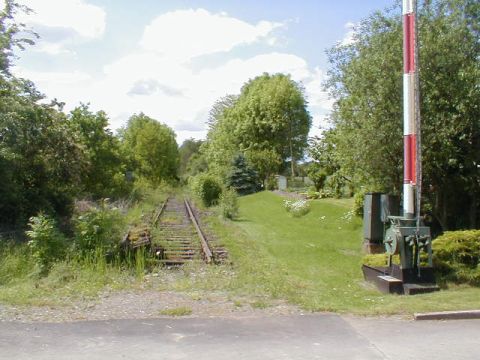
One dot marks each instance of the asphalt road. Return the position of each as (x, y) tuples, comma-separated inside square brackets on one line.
[(318, 336)]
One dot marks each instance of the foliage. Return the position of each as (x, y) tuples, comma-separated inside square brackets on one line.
[(358, 200), (46, 242), (105, 173), (9, 34), (266, 162), (151, 148), (379, 260), (242, 178), (189, 153), (40, 160), (317, 175), (269, 117), (98, 229), (364, 142), (229, 204), (456, 256), (207, 188), (297, 208)]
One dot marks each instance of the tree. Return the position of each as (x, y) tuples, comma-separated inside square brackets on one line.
[(266, 162), (152, 149), (271, 113), (268, 116), (189, 150), (317, 175), (9, 31), (365, 78), (242, 178), (40, 158), (104, 175)]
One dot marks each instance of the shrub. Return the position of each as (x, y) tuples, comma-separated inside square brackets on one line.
[(358, 200), (98, 229), (312, 194), (335, 184), (207, 188), (271, 183), (46, 242), (229, 204), (456, 256), (297, 208)]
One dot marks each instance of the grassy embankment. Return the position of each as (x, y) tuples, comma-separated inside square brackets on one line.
[(314, 261)]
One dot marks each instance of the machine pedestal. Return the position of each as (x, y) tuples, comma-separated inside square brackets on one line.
[(395, 280)]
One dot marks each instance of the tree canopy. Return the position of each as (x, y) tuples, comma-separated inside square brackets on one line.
[(365, 78), (269, 115), (152, 149)]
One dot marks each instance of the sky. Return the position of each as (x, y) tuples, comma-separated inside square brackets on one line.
[(172, 59)]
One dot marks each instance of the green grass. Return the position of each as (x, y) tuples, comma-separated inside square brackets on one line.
[(314, 261), (179, 311)]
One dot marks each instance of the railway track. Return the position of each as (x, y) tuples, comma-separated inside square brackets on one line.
[(175, 236), (179, 235)]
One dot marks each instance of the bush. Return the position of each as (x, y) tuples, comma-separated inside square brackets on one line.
[(456, 256), (272, 183), (358, 200), (297, 208), (379, 260), (46, 242), (98, 229), (207, 188), (229, 204)]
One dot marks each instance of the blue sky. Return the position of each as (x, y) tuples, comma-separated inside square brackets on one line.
[(173, 59)]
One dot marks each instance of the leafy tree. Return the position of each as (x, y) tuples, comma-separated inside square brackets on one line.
[(188, 151), (152, 149), (271, 113), (242, 178), (40, 159), (266, 162), (317, 175), (9, 31), (269, 116), (366, 80), (104, 175), (220, 146)]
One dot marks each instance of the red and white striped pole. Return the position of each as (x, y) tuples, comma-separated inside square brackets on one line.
[(409, 107)]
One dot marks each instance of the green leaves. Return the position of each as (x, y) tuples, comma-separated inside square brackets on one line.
[(269, 117), (152, 149), (365, 141)]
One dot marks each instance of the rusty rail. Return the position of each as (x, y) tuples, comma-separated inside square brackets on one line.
[(203, 241), (155, 220)]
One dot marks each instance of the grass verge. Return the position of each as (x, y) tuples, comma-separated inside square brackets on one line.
[(314, 261)]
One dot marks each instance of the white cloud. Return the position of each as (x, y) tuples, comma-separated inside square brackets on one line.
[(158, 80), (86, 20), (348, 38), (184, 34)]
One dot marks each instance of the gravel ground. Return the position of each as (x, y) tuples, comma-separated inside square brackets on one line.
[(149, 303), (144, 304)]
